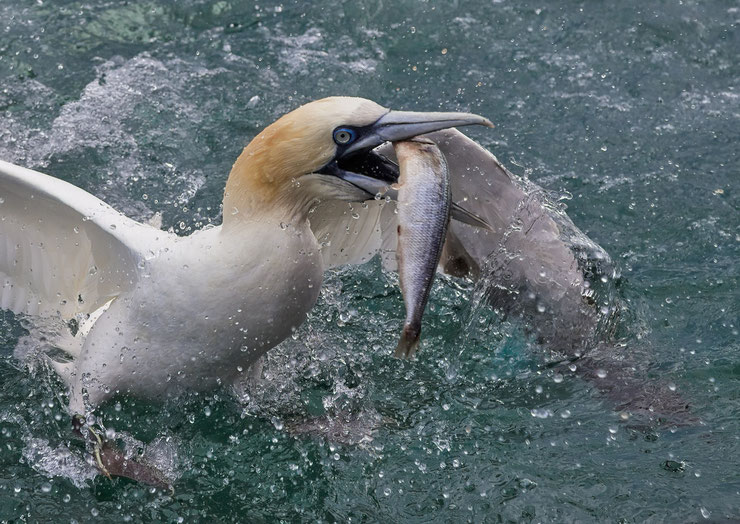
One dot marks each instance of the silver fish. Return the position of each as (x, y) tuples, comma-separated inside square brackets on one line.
[(424, 201)]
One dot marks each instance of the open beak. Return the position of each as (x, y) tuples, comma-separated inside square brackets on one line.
[(402, 125), (359, 165)]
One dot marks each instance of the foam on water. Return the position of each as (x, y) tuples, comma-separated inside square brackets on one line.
[(59, 461)]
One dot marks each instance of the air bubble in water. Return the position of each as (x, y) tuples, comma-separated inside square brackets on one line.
[(541, 413)]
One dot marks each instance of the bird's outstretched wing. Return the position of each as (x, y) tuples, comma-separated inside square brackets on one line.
[(62, 250), (532, 261)]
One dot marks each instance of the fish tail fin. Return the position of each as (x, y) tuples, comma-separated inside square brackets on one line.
[(409, 342)]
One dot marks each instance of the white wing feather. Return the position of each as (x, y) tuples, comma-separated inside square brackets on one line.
[(352, 233), (62, 250)]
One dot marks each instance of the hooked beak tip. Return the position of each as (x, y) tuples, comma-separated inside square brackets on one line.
[(402, 125)]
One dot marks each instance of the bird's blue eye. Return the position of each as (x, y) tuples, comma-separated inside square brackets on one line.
[(344, 136)]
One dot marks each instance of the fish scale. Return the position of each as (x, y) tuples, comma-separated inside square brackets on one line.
[(424, 200)]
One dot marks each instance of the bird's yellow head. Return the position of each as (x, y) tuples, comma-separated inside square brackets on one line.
[(324, 150)]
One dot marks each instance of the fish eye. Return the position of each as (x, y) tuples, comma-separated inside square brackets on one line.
[(343, 136)]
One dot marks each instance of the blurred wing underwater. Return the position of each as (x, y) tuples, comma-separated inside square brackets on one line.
[(532, 262), (62, 250)]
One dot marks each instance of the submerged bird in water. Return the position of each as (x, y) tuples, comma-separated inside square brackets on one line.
[(424, 198)]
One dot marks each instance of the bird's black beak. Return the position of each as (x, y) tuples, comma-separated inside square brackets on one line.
[(362, 167)]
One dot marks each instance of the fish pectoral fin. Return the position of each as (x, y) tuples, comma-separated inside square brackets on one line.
[(466, 217)]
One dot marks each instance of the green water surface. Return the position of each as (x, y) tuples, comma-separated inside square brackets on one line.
[(632, 107)]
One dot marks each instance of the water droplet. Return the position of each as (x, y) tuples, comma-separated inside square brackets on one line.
[(603, 148), (601, 373), (557, 378), (207, 411), (46, 487)]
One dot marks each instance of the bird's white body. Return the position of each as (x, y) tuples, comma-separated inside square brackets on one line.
[(158, 313), (202, 310)]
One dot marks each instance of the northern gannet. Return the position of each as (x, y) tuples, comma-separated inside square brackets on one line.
[(159, 314)]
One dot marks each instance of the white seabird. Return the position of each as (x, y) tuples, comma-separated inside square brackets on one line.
[(160, 313)]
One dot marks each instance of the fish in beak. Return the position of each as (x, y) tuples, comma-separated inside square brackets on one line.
[(364, 168)]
